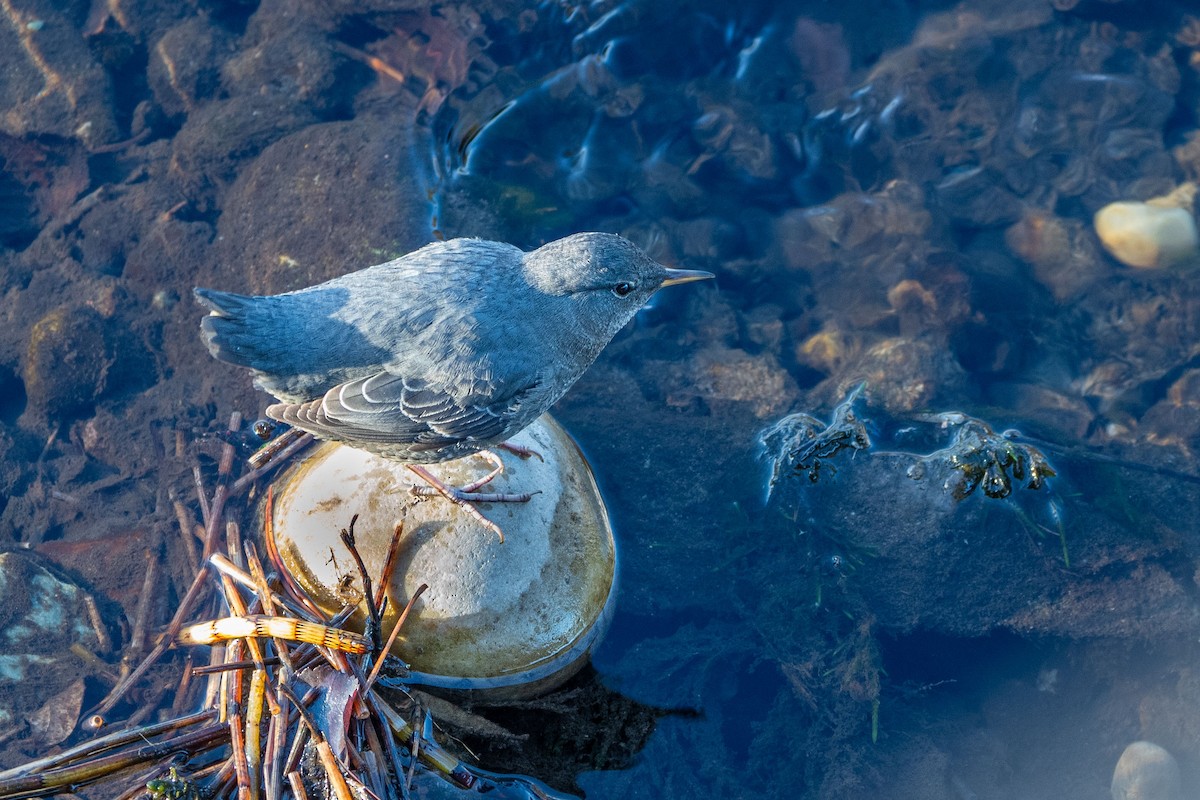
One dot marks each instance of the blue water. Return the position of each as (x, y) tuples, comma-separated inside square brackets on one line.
[(893, 195)]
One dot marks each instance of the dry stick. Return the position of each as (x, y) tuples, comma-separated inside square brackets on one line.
[(378, 759), (267, 598), (373, 620), (389, 563), (55, 781), (221, 493), (271, 450), (137, 639), (297, 783), (253, 739), (226, 567), (239, 609), (233, 698), (395, 631), (237, 744), (285, 575), (277, 743), (282, 457), (246, 665), (105, 743), (431, 752)]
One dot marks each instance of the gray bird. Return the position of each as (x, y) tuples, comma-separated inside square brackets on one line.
[(449, 350)]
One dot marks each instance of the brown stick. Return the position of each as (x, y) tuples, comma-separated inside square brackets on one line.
[(57, 780)]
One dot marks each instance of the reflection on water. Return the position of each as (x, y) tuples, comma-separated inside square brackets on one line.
[(891, 196)]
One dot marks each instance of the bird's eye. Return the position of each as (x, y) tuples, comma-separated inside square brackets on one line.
[(623, 288)]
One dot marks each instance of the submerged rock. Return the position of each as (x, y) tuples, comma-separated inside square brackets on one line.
[(955, 528), (1157, 233), (1146, 772), (42, 620)]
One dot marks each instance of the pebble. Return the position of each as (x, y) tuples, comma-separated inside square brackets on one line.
[(1157, 233), (1146, 771)]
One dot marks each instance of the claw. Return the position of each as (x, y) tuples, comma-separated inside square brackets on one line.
[(465, 497)]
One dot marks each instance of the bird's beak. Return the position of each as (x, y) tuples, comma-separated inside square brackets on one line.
[(675, 276)]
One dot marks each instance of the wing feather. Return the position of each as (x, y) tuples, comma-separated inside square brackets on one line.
[(399, 413)]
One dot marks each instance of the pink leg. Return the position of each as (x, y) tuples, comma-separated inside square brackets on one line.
[(466, 496)]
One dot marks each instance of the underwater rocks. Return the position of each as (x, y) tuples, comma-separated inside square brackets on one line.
[(66, 364), (76, 354), (53, 85), (955, 528), (48, 637), (318, 203), (1157, 233), (1147, 772)]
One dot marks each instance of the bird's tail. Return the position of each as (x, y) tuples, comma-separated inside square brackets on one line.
[(233, 329)]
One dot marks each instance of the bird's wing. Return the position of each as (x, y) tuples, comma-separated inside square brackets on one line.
[(386, 408)]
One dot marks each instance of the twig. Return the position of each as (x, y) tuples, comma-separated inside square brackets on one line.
[(201, 494), (395, 631), (389, 563), (373, 621), (337, 781), (250, 477), (247, 665), (221, 493), (137, 639), (55, 781), (105, 743), (103, 642)]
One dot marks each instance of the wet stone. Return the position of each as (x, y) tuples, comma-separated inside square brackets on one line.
[(53, 84), (902, 375), (718, 376), (217, 136), (1160, 232), (1146, 771), (977, 197), (937, 497), (299, 63), (66, 364), (42, 616), (1063, 252), (319, 203), (183, 67)]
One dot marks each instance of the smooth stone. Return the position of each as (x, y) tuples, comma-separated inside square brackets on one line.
[(1146, 771), (515, 617), (1157, 233)]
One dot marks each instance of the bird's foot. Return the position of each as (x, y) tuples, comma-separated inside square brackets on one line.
[(466, 496), (521, 451)]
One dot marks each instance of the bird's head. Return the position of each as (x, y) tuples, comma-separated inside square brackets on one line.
[(606, 277)]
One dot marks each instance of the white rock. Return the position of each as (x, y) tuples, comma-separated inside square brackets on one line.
[(1146, 771), (1157, 233), (496, 614)]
